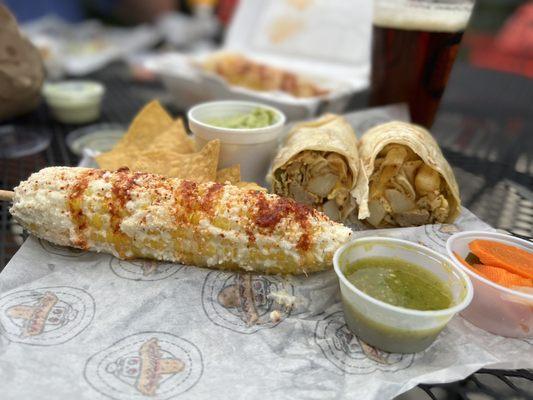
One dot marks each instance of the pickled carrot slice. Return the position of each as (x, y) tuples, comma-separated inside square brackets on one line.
[(510, 258), (502, 276)]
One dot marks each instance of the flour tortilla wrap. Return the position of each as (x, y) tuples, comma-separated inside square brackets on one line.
[(318, 165), (405, 180)]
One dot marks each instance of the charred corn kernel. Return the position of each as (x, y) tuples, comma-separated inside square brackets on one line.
[(143, 215), (96, 221)]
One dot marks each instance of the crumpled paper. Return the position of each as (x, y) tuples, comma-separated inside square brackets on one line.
[(82, 325)]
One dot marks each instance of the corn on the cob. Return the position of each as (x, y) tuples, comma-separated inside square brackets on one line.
[(149, 216)]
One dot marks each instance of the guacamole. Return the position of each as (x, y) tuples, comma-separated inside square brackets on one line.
[(257, 118), (399, 283)]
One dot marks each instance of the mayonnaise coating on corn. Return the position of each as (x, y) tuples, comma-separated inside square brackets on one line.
[(134, 215)]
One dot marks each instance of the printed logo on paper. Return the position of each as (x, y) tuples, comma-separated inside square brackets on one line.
[(143, 270), (155, 365), (241, 303), (436, 235), (68, 252), (350, 354), (45, 316)]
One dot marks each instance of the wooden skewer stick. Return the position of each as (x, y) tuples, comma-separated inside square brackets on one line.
[(6, 195)]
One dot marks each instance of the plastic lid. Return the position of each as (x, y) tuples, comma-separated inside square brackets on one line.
[(15, 143), (100, 137)]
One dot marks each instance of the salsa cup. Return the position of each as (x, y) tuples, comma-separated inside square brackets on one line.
[(251, 148), (495, 308), (388, 327), (74, 101)]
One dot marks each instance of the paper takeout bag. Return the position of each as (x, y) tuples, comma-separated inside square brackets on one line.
[(21, 69)]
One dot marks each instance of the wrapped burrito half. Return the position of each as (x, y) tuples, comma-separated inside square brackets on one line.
[(318, 166), (405, 179)]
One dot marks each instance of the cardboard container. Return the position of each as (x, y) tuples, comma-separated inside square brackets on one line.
[(327, 41)]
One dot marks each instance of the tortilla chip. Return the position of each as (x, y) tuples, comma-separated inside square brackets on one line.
[(173, 139), (231, 174), (151, 121), (152, 129), (250, 186), (200, 166), (113, 160), (156, 144)]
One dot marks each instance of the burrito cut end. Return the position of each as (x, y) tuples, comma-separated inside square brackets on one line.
[(318, 166), (410, 183)]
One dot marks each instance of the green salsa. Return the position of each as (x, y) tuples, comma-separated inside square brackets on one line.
[(402, 284), (386, 337), (258, 118), (399, 283)]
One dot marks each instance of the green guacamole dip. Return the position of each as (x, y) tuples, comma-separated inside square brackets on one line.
[(399, 283), (258, 118)]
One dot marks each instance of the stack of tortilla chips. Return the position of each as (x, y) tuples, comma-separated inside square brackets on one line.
[(157, 144)]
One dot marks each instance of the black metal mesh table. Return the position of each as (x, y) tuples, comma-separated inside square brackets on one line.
[(485, 128)]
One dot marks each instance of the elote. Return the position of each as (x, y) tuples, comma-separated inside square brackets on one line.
[(140, 215)]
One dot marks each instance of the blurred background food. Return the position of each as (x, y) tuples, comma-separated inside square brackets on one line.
[(163, 39)]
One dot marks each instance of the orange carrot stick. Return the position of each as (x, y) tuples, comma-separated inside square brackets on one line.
[(495, 274), (510, 258), (502, 276)]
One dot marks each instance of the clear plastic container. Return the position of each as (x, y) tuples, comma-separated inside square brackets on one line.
[(495, 308), (99, 137), (392, 328), (252, 149)]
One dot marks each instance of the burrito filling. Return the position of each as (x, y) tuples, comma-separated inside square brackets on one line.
[(319, 179), (404, 191)]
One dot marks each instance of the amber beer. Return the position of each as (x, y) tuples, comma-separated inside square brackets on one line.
[(412, 57)]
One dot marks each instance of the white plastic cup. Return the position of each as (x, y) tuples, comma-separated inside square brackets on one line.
[(252, 149), (388, 327), (74, 102), (495, 308)]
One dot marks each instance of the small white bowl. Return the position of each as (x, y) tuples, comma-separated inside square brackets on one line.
[(392, 328), (74, 102), (495, 308), (253, 149)]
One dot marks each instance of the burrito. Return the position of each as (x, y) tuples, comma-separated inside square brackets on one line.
[(318, 166), (405, 180)]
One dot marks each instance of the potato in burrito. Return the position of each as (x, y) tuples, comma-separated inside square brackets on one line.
[(318, 166), (405, 179)]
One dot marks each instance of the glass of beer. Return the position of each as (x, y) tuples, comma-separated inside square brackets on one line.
[(414, 45)]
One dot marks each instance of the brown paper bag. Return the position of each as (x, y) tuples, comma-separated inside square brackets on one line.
[(21, 69)]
